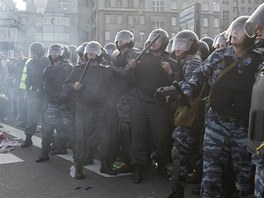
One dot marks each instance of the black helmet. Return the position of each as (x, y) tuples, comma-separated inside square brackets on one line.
[(66, 53), (110, 47), (125, 36), (168, 48), (185, 40), (238, 24), (73, 53), (254, 20), (93, 47), (209, 42), (220, 40), (38, 48), (163, 39), (203, 49), (55, 49), (80, 51)]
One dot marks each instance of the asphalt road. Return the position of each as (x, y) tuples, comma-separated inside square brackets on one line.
[(23, 178)]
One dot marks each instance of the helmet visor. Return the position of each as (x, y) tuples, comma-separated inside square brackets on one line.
[(235, 30), (93, 48), (55, 51), (124, 37), (180, 44), (255, 21)]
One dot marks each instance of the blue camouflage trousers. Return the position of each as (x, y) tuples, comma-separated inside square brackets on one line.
[(186, 142), (59, 117), (259, 181), (224, 139)]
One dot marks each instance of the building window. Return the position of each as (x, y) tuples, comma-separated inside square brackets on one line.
[(225, 2), (173, 21), (216, 23), (131, 20), (216, 7), (225, 14), (205, 22), (184, 5), (108, 3), (107, 19), (235, 9), (242, 1), (249, 10), (64, 5), (142, 36), (249, 1), (65, 21), (141, 20), (174, 5), (131, 3), (119, 19), (205, 6), (142, 4), (107, 35), (243, 9), (158, 5), (156, 25), (119, 3)]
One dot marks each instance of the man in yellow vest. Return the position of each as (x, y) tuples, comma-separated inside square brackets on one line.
[(33, 81)]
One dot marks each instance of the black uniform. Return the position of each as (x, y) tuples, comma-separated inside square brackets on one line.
[(149, 118), (90, 113), (34, 84), (58, 115)]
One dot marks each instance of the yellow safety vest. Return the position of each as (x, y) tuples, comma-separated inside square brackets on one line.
[(24, 75)]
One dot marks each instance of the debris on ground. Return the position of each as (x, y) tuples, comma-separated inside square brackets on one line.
[(7, 145)]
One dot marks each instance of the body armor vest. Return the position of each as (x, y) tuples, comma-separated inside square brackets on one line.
[(231, 94)]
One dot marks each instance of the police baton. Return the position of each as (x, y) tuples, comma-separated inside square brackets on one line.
[(139, 56), (179, 90)]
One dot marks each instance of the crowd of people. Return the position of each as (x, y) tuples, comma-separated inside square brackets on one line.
[(182, 102)]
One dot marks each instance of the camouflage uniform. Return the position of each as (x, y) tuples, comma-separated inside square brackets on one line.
[(225, 136), (185, 138), (259, 175)]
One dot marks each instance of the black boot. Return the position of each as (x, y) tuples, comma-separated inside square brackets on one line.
[(106, 168), (42, 158), (179, 193), (137, 174), (79, 172), (28, 142)]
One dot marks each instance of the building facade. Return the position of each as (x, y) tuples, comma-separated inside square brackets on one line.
[(78, 21)]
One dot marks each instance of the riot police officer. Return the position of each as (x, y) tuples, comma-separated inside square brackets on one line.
[(150, 118), (184, 49), (34, 84), (209, 42), (124, 42), (227, 118), (58, 115), (92, 92), (80, 51), (254, 27), (203, 49)]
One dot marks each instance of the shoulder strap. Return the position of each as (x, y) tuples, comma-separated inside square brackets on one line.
[(227, 69)]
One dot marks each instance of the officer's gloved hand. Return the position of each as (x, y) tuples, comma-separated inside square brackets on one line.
[(184, 100)]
